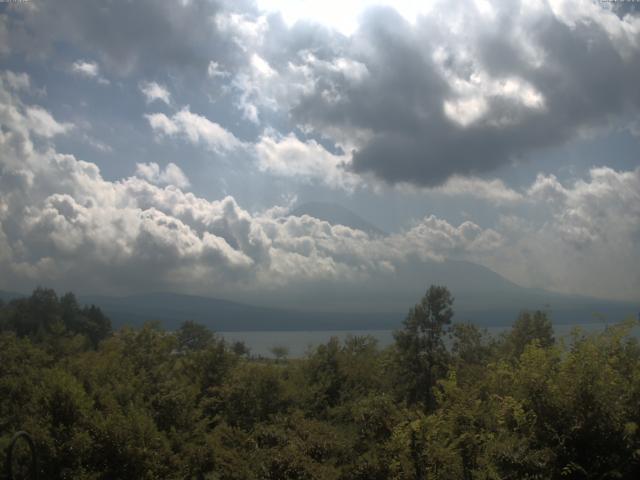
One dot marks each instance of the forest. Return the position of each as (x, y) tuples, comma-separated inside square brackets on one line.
[(445, 401)]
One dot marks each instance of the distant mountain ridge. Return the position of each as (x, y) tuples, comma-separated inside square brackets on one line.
[(171, 309), (8, 296)]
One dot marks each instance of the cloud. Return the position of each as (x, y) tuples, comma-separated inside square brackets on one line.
[(461, 92), (62, 222), (88, 70), (582, 238), (605, 208), (194, 128), (16, 81), (42, 123), (153, 91), (214, 70), (22, 119), (493, 191), (437, 103), (147, 36), (171, 175), (252, 84), (288, 156)]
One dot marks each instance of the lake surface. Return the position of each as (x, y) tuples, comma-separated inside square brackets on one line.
[(299, 342)]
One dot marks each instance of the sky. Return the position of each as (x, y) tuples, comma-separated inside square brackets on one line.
[(157, 145)]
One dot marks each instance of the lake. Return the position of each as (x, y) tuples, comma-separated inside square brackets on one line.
[(299, 342)]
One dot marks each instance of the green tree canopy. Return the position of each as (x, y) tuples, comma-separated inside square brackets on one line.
[(529, 327), (422, 356)]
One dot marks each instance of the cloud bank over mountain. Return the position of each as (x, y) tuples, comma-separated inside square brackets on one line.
[(219, 113), (63, 222)]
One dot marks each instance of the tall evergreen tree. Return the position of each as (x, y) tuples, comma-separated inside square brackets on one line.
[(421, 353)]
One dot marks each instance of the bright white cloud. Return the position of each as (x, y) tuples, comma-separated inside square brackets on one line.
[(290, 157), (194, 128), (171, 175), (25, 119), (42, 123), (344, 16), (474, 92), (89, 70), (261, 66), (153, 91)]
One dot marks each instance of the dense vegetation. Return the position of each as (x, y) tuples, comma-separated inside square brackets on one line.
[(445, 402)]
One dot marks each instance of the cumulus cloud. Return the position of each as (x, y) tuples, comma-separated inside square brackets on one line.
[(290, 157), (463, 91), (16, 81), (605, 208), (62, 222), (194, 128), (587, 243), (24, 119), (42, 123), (153, 91), (437, 103), (88, 70), (171, 175)]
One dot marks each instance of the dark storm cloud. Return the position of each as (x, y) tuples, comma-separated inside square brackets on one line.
[(586, 75), (125, 35), (458, 92)]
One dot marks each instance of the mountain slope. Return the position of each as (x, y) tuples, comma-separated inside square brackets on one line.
[(171, 309), (8, 296)]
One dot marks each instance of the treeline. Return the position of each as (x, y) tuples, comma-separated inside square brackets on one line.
[(446, 401)]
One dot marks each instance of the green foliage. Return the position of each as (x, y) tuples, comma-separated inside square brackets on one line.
[(529, 327), (240, 348), (252, 393), (421, 354), (336, 374), (44, 316), (280, 352), (193, 336), (149, 404)]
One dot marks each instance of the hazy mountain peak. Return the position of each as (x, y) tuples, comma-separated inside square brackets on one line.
[(336, 215)]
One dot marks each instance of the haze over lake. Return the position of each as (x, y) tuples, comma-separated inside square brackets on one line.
[(300, 343)]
